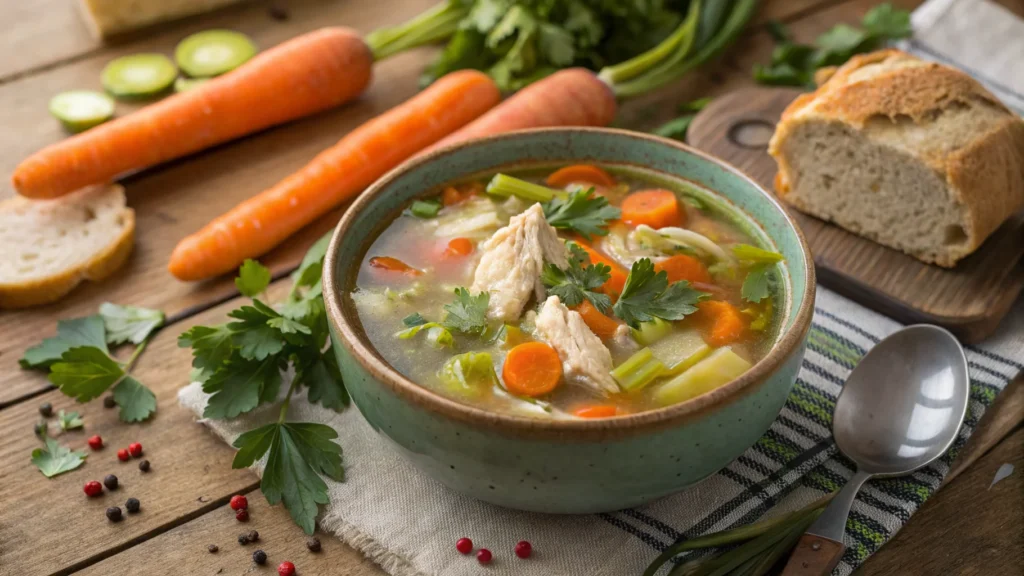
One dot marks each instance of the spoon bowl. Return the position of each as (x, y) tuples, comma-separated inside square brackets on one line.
[(899, 410)]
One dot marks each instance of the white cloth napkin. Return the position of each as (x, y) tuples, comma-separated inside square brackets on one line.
[(409, 524)]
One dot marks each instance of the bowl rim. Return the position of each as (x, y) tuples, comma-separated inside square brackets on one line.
[(357, 344)]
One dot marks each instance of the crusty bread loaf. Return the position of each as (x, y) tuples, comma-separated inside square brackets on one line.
[(911, 154), (48, 246)]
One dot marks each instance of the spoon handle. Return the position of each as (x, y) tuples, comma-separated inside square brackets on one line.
[(821, 547)]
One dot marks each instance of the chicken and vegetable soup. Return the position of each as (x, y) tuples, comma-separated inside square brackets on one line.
[(583, 292)]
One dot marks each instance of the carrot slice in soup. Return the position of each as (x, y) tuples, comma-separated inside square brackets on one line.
[(613, 286), (393, 265), (459, 247), (683, 267), (598, 411), (453, 195), (655, 208), (598, 323), (532, 369), (725, 323), (580, 174)]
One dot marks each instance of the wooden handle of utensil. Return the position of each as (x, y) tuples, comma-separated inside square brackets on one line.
[(814, 556)]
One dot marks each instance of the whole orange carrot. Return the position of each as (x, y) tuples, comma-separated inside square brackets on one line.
[(310, 73), (334, 176), (572, 97)]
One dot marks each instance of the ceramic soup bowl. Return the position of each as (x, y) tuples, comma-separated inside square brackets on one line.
[(567, 466)]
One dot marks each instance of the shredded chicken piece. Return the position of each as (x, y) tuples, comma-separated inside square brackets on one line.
[(585, 359), (512, 262), (623, 339)]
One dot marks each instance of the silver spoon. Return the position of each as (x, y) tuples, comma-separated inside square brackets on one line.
[(900, 409)]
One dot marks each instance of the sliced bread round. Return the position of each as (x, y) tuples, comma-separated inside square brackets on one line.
[(47, 247), (912, 154)]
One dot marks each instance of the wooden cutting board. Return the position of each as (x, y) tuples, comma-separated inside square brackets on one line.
[(969, 300)]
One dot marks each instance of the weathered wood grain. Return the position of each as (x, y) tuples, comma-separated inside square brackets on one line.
[(49, 525)]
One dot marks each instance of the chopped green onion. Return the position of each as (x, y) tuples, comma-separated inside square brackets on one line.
[(504, 185), (425, 208), (650, 332), (638, 371)]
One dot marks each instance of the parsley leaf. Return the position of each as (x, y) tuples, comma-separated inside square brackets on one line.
[(211, 347), (414, 319), (241, 385), (756, 286), (583, 211), (136, 402), (69, 420), (647, 295), (888, 22), (255, 338), (577, 282), (129, 323), (467, 314), (324, 381), (87, 331), (677, 127), (85, 373), (297, 453), (253, 278), (312, 265), (56, 459)]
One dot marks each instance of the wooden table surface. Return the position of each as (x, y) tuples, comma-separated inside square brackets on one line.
[(49, 527)]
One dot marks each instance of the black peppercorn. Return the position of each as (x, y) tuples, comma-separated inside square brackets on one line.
[(313, 544), (110, 481), (41, 428), (253, 536), (243, 538), (212, 548), (46, 409), (144, 465), (132, 505), (259, 557), (109, 402), (114, 514), (278, 12)]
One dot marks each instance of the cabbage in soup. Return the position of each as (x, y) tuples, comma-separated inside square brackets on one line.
[(586, 292)]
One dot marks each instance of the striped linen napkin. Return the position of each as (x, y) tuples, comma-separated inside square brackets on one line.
[(408, 523)]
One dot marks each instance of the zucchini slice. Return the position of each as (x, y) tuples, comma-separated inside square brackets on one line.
[(138, 75), (80, 110), (213, 52)]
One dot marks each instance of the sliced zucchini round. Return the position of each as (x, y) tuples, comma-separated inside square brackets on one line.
[(139, 75), (183, 84), (80, 110), (212, 52)]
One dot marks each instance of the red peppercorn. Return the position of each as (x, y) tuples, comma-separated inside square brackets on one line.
[(464, 545), (96, 442), (523, 549), (93, 488), (135, 449), (483, 556), (286, 569), (238, 502), (242, 515), (123, 455)]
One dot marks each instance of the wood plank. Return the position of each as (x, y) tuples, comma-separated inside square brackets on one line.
[(42, 33), (177, 199), (49, 525), (183, 550), (967, 528)]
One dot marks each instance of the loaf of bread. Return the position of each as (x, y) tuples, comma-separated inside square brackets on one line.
[(911, 154), (110, 17), (47, 247)]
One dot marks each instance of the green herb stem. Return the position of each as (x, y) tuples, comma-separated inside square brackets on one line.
[(437, 23), (679, 42), (504, 185), (287, 401), (135, 356)]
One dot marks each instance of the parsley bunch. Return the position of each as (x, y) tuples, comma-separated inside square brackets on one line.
[(578, 281), (80, 364), (240, 364), (794, 64), (647, 295)]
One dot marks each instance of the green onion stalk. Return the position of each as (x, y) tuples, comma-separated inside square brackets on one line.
[(436, 24)]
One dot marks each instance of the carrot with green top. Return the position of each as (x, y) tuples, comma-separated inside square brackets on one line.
[(532, 369), (307, 74), (334, 176)]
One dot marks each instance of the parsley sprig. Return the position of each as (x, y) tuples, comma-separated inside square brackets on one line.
[(648, 295), (582, 211), (240, 364), (80, 364), (760, 264), (578, 281)]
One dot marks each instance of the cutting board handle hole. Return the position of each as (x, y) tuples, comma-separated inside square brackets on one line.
[(752, 134)]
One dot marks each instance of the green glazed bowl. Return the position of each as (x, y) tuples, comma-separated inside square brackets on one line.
[(566, 466)]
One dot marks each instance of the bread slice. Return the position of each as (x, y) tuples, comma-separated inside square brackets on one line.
[(48, 246), (911, 154)]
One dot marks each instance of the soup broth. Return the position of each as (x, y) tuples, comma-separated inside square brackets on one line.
[(581, 292)]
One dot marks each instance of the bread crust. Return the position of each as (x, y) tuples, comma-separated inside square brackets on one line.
[(50, 289), (985, 174)]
